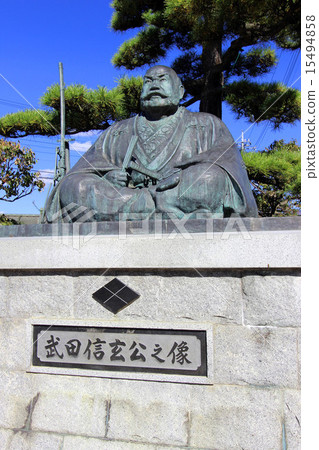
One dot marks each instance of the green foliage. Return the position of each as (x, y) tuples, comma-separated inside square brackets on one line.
[(131, 89), (261, 21), (255, 62), (275, 176), (86, 109), (4, 220), (217, 39), (275, 103), (31, 122), (130, 12), (146, 48), (16, 179)]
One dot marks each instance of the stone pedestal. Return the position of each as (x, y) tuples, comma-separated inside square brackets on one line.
[(238, 280)]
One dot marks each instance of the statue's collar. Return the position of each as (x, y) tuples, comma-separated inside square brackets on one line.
[(158, 123), (156, 146)]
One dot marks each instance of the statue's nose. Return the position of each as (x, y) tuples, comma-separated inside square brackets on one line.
[(155, 85)]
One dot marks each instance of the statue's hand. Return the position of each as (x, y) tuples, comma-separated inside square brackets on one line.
[(137, 178), (169, 182), (117, 177)]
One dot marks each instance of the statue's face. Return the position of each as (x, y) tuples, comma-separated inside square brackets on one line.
[(162, 89)]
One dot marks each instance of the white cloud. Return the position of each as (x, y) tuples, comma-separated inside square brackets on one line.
[(86, 134), (80, 147), (46, 175)]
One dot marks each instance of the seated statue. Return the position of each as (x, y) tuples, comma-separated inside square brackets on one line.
[(166, 160)]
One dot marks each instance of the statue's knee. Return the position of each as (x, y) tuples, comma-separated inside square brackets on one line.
[(74, 190), (203, 187), (212, 172), (206, 173)]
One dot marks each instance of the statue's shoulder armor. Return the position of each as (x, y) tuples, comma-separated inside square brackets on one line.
[(116, 129), (202, 118), (122, 125)]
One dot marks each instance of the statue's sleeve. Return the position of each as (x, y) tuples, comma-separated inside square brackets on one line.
[(226, 154), (218, 147), (93, 161)]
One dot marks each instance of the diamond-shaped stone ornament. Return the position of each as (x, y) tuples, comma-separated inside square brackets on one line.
[(115, 296)]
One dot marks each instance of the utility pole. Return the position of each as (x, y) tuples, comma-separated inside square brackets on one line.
[(244, 143), (62, 156)]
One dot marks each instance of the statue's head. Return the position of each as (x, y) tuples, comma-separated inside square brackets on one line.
[(162, 91)]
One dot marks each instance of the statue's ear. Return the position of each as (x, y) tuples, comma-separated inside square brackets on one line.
[(181, 91)]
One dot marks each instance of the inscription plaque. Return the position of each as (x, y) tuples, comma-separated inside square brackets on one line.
[(121, 349)]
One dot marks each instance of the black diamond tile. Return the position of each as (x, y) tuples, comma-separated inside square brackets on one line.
[(103, 294), (115, 285), (114, 304), (127, 295), (115, 296)]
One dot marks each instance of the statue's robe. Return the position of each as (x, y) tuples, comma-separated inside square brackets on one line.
[(213, 179)]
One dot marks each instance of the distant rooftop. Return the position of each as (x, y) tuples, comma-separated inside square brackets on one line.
[(25, 219)]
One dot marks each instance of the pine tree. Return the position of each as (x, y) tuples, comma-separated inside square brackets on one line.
[(86, 109), (219, 41), (275, 177)]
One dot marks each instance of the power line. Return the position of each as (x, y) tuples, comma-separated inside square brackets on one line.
[(42, 170), (286, 79), (23, 139), (10, 102), (22, 96), (291, 67), (41, 146), (14, 102), (40, 141), (262, 135)]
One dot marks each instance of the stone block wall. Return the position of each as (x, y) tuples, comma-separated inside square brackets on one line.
[(252, 403)]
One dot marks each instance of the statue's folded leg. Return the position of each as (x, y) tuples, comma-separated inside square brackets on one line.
[(204, 188), (103, 200)]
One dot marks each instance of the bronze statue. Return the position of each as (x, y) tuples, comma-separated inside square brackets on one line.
[(166, 160)]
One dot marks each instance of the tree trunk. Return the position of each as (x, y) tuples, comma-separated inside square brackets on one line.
[(211, 99)]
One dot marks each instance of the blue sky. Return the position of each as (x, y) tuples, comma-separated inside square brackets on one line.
[(36, 35)]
